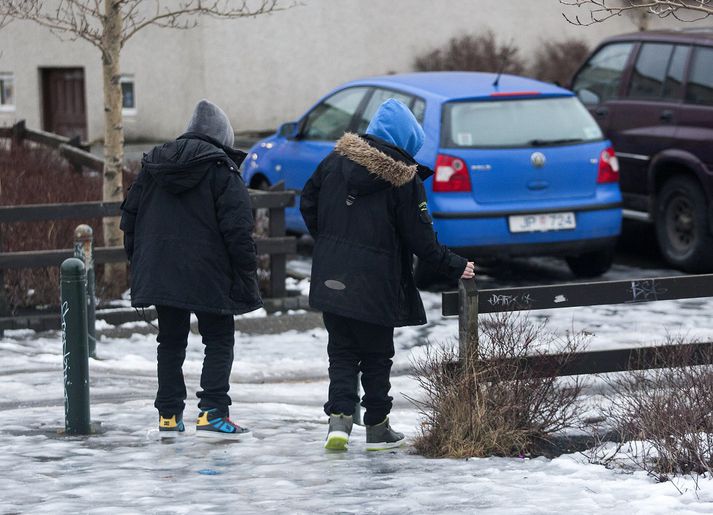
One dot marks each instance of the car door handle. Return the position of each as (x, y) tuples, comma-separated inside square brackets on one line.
[(666, 116), (601, 111)]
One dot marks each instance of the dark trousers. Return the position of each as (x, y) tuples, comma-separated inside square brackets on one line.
[(356, 346), (218, 332)]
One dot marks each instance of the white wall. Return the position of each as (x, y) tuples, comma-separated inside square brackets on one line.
[(270, 69)]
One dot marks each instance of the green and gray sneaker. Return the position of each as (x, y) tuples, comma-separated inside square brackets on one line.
[(340, 427), (381, 437)]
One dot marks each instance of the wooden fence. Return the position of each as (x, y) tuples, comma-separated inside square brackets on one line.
[(468, 303), (74, 151), (277, 244)]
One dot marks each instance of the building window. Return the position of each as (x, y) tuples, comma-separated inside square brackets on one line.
[(7, 92), (128, 99)]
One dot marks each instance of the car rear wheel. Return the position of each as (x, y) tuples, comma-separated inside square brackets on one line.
[(682, 228), (591, 264)]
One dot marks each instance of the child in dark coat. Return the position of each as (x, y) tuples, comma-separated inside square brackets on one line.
[(365, 206), (187, 226)]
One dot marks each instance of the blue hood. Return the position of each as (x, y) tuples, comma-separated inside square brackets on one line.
[(396, 124)]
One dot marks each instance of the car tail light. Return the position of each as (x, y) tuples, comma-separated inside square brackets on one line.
[(451, 174), (608, 167)]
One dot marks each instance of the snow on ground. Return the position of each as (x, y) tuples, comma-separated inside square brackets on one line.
[(279, 384)]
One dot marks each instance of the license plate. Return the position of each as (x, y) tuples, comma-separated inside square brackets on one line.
[(542, 222)]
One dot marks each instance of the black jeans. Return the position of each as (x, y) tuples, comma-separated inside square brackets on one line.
[(218, 332), (356, 346)]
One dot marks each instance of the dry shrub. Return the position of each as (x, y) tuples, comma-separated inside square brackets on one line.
[(472, 53), (557, 61), (665, 415), (553, 62), (493, 404), (32, 174)]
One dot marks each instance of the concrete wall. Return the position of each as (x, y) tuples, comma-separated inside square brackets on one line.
[(270, 69)]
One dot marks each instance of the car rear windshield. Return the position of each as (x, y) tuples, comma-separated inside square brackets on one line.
[(517, 123)]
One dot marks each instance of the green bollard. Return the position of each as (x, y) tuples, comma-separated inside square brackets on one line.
[(84, 250), (73, 311)]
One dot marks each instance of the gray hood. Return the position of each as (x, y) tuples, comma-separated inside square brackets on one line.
[(210, 120)]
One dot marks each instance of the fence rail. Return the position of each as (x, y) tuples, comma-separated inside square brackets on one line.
[(468, 302)]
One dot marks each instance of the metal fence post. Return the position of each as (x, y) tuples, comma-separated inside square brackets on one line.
[(467, 320), (73, 312), (84, 250)]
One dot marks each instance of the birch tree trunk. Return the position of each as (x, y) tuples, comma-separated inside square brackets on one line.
[(112, 187)]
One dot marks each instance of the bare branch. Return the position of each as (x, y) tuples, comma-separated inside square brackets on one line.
[(185, 14), (70, 19), (599, 11)]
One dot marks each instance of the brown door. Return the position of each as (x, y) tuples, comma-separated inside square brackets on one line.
[(64, 105)]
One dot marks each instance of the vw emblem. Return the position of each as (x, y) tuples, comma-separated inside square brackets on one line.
[(538, 159)]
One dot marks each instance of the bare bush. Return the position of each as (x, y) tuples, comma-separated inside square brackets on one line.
[(557, 61), (666, 414), (32, 174), (472, 53), (493, 403)]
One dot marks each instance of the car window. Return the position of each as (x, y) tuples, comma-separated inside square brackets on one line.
[(700, 82), (600, 78), (676, 69), (330, 119), (518, 123), (377, 98), (650, 70), (419, 109)]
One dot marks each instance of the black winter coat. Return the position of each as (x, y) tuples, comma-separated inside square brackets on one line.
[(187, 226), (365, 205)]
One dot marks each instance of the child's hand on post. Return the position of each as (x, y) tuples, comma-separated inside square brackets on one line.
[(469, 271)]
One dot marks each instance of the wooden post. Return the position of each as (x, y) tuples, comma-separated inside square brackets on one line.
[(84, 250), (467, 320), (278, 262), (18, 134)]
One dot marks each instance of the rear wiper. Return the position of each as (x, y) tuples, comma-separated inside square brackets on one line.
[(544, 142)]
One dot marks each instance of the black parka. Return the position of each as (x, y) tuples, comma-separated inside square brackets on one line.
[(365, 206), (187, 226)]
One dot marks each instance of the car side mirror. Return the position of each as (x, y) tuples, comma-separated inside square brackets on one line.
[(289, 130), (588, 97)]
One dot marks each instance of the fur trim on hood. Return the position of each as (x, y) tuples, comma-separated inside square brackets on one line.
[(356, 149)]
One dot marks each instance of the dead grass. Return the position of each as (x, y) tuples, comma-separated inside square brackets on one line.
[(492, 405), (665, 415)]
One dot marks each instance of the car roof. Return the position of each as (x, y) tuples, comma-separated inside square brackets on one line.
[(689, 35), (446, 86)]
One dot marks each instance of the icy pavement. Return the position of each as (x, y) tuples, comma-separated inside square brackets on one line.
[(279, 384)]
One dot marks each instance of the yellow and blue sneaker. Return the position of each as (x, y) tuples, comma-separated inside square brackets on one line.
[(214, 424), (170, 427)]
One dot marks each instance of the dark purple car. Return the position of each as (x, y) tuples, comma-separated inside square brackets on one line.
[(652, 94)]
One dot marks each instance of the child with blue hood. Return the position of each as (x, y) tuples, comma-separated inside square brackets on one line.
[(365, 206)]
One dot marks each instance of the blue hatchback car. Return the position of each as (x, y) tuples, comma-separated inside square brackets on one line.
[(521, 168)]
